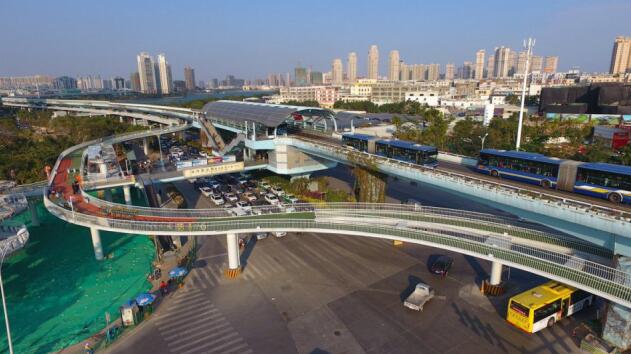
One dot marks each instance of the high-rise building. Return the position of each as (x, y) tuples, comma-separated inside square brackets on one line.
[(490, 67), (479, 64), (189, 78), (351, 69), (621, 56), (502, 62), (394, 66), (467, 70), (419, 72), (118, 83), (316, 78), (404, 72), (433, 72), (147, 73), (512, 63), (450, 71), (373, 63), (65, 83), (300, 76), (337, 76), (551, 64), (537, 64), (134, 82), (521, 63), (164, 70)]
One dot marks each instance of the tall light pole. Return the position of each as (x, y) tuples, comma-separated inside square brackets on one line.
[(4, 302), (528, 46), (482, 138)]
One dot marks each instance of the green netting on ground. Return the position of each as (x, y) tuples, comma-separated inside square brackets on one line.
[(58, 293)]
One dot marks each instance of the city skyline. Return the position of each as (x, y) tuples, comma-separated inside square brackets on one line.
[(253, 54)]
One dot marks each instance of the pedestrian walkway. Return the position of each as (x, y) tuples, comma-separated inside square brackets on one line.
[(192, 324)]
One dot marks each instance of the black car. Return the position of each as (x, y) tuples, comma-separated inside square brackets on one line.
[(442, 265)]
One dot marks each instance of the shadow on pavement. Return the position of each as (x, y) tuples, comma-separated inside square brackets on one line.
[(250, 243), (481, 274)]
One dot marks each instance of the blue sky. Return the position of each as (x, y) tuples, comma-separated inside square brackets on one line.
[(251, 38)]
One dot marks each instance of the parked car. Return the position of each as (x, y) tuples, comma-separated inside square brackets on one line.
[(290, 198), (278, 191), (261, 235), (420, 296), (265, 186), (231, 197), (244, 205), (249, 196), (280, 234), (272, 199), (206, 191), (217, 199), (442, 265)]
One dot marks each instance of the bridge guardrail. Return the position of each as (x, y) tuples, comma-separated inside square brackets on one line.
[(611, 282)]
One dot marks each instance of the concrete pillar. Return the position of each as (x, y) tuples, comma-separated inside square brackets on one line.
[(145, 146), (233, 251), (96, 243), (617, 322), (496, 273), (34, 217), (121, 119), (127, 193), (108, 195)]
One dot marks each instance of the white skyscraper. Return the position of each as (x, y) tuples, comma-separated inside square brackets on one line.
[(394, 66), (449, 72), (166, 82), (336, 72), (373, 62), (621, 56), (502, 62), (479, 64), (147, 74), (351, 70)]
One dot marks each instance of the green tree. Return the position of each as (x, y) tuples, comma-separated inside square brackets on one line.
[(465, 137), (396, 121), (436, 132)]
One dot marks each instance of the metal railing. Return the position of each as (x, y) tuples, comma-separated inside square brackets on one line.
[(611, 282)]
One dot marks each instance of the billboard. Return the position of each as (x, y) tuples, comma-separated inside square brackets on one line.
[(626, 119), (606, 119)]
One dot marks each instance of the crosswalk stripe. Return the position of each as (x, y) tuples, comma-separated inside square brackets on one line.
[(204, 334), (213, 327), (193, 295), (237, 348), (215, 272), (175, 314), (183, 322), (226, 344), (206, 276), (197, 348), (255, 270), (268, 265), (297, 259), (172, 334)]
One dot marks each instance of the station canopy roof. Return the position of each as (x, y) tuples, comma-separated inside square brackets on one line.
[(269, 115)]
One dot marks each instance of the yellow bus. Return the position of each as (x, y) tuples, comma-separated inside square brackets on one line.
[(542, 306)]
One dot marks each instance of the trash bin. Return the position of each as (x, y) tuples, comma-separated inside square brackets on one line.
[(129, 313)]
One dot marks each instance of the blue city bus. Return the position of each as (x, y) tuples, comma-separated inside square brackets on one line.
[(520, 166), (407, 151), (604, 180), (600, 180), (361, 142)]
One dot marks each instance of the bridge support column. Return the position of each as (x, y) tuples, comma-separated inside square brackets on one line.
[(234, 263), (145, 146), (496, 273), (108, 194), (127, 194), (617, 322), (34, 217), (121, 119), (96, 243)]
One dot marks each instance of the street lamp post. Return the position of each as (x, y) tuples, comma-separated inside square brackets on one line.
[(528, 46), (482, 138), (4, 302)]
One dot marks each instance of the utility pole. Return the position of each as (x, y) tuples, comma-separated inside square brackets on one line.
[(528, 46)]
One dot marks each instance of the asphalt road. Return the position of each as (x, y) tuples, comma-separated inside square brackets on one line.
[(309, 293)]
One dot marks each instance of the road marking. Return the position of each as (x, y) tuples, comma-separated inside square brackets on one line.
[(197, 348), (231, 341), (194, 295), (187, 333), (182, 322), (178, 315)]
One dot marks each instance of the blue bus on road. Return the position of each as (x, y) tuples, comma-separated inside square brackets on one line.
[(601, 180)]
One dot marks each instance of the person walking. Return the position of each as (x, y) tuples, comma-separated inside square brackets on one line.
[(88, 348), (164, 288)]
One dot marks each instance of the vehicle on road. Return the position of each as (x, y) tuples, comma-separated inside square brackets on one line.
[(422, 294), (231, 197), (272, 199), (249, 196), (280, 234), (206, 191), (217, 199), (544, 305), (278, 191), (261, 235), (442, 265)]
